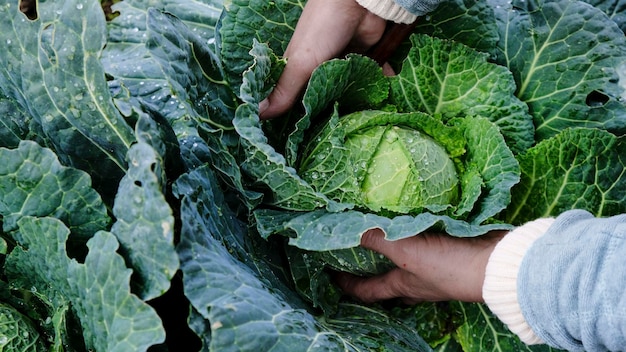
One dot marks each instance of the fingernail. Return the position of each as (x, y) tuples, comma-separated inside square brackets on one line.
[(263, 105)]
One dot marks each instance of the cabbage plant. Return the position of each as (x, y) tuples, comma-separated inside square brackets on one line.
[(144, 205), (404, 172)]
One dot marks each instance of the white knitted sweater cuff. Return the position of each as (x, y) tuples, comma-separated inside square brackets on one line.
[(500, 286), (389, 10)]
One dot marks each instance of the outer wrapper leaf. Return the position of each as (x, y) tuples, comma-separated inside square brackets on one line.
[(261, 161), (374, 330), (145, 223), (167, 67), (112, 319), (565, 56), (482, 331), (243, 313), (471, 22), (34, 183), (142, 82), (14, 124), (321, 230), (242, 22), (61, 83), (615, 9), (487, 153), (245, 305), (191, 68), (577, 169), (448, 78), (126, 322), (355, 83), (205, 101)]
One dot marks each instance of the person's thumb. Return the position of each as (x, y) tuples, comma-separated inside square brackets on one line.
[(278, 102), (290, 85), (396, 251), (372, 289)]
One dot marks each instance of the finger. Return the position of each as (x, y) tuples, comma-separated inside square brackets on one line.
[(393, 37), (402, 252), (323, 31), (368, 32), (373, 289), (286, 92), (388, 70)]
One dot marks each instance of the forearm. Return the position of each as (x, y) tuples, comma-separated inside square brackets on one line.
[(569, 285)]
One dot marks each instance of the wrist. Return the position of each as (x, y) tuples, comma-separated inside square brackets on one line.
[(499, 289), (461, 274)]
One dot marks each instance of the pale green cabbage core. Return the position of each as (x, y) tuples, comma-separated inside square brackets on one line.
[(406, 171)]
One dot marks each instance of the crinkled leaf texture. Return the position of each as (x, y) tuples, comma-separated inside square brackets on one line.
[(260, 160), (356, 83), (17, 332), (144, 223), (579, 168), (566, 58), (34, 183), (51, 67), (38, 185), (98, 290), (243, 22), (445, 77), (470, 22)]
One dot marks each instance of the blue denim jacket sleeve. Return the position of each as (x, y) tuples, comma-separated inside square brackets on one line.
[(419, 7), (572, 283)]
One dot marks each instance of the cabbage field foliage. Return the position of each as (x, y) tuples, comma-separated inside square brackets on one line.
[(145, 205)]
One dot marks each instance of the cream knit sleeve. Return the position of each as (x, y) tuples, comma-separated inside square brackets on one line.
[(389, 10), (500, 286)]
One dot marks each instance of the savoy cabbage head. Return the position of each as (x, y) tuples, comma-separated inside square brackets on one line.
[(385, 162), (370, 164)]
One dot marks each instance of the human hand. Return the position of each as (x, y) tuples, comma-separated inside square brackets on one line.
[(430, 267), (325, 29)]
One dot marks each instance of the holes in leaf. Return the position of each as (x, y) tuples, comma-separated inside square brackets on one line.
[(596, 99), (29, 8), (138, 183), (108, 12), (47, 40)]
